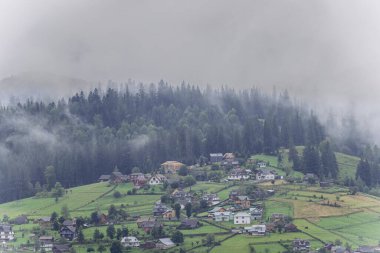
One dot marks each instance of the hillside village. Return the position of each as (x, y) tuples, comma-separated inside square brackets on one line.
[(197, 208)]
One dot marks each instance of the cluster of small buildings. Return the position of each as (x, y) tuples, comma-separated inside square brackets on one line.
[(138, 180), (239, 174), (228, 159), (133, 242), (6, 233), (46, 243), (162, 211), (301, 245), (220, 214)]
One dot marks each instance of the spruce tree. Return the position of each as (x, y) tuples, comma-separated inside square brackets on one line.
[(363, 171)]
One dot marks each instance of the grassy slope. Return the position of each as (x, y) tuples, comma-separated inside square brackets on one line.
[(347, 164), (38, 207)]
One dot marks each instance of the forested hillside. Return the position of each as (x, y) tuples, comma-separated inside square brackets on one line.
[(91, 134)]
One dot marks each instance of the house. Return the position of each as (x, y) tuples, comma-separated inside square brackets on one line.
[(134, 176), (130, 241), (157, 179), (147, 226), (233, 195), (301, 245), (222, 216), (243, 201), (228, 163), (261, 164), (242, 218), (169, 214), (117, 177), (229, 157), (189, 224), (44, 222), (217, 209), (139, 181), (256, 213), (20, 220), (104, 178), (256, 230), (310, 178), (216, 157), (324, 184), (212, 199), (229, 160), (182, 197), (6, 233), (237, 175), (46, 243), (159, 209), (265, 174), (171, 167), (140, 220), (61, 248), (165, 243), (68, 232)]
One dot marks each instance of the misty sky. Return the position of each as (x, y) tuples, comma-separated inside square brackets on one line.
[(328, 49)]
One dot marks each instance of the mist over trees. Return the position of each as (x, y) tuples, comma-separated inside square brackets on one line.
[(75, 141)]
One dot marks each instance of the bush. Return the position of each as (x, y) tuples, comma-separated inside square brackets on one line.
[(117, 194)]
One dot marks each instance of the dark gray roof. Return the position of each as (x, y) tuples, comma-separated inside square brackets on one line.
[(216, 155), (117, 174), (68, 223), (46, 238), (44, 219), (70, 228), (166, 241), (5, 228), (104, 177), (150, 224), (61, 247), (265, 171), (189, 223)]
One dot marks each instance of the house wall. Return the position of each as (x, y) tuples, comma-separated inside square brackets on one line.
[(242, 220)]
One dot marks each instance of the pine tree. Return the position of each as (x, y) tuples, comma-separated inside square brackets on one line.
[(328, 160), (188, 208), (111, 231), (293, 157), (81, 238), (177, 237), (116, 247), (311, 160), (363, 172), (177, 209)]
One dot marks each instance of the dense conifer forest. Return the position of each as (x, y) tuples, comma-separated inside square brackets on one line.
[(90, 134)]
